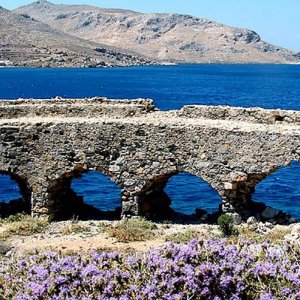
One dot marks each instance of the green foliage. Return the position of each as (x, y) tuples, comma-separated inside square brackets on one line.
[(226, 224)]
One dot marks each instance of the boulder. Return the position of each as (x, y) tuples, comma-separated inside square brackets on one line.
[(4, 249), (252, 220), (269, 213)]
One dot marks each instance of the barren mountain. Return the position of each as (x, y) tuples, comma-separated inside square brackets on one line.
[(25, 41), (169, 37)]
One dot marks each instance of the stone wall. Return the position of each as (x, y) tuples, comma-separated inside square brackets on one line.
[(89, 107), (251, 115), (49, 142)]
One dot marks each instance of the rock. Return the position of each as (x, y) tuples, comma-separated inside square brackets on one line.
[(200, 212), (230, 186), (252, 220), (120, 161), (294, 236), (239, 177), (237, 219), (260, 227), (114, 168), (253, 227), (269, 213), (282, 218), (155, 164), (4, 249), (269, 225)]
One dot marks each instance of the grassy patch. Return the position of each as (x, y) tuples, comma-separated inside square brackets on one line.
[(74, 228), (278, 234), (184, 237), (275, 235), (13, 218), (23, 225), (132, 230), (250, 234)]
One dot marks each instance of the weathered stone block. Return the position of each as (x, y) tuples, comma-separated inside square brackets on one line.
[(230, 185), (239, 176)]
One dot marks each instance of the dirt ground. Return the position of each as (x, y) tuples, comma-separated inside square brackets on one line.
[(84, 236), (92, 235)]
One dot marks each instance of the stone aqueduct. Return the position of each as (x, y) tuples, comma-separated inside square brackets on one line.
[(46, 143)]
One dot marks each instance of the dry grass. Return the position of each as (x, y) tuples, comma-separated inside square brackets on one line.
[(278, 234), (132, 230), (74, 228), (249, 234), (185, 236), (22, 225), (275, 235)]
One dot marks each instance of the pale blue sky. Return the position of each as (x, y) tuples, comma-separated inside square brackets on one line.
[(277, 21)]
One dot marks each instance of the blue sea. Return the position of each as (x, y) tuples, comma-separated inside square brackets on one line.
[(171, 87)]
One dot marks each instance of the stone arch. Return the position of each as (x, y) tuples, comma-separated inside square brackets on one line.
[(22, 204), (191, 195), (65, 204), (237, 193), (154, 203), (239, 187), (270, 208)]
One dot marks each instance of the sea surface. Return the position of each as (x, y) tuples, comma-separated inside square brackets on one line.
[(171, 87)]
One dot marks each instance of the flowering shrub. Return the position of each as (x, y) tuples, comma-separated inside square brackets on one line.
[(202, 269)]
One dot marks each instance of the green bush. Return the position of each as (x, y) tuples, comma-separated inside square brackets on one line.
[(226, 224)]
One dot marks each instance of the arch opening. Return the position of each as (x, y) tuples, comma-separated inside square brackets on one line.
[(182, 198), (192, 198), (280, 190), (15, 195), (85, 195)]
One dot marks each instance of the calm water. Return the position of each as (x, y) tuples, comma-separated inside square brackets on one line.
[(269, 86)]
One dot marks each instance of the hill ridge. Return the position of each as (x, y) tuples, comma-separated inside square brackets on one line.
[(161, 36), (25, 41)]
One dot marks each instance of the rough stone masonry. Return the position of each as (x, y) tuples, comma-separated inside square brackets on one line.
[(46, 143)]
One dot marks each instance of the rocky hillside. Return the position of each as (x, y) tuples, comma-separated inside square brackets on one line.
[(170, 37), (28, 42)]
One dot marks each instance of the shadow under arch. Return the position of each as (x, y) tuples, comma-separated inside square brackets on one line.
[(22, 201), (280, 190), (66, 204), (157, 201)]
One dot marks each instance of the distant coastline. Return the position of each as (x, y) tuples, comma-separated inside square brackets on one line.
[(43, 34), (156, 64)]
